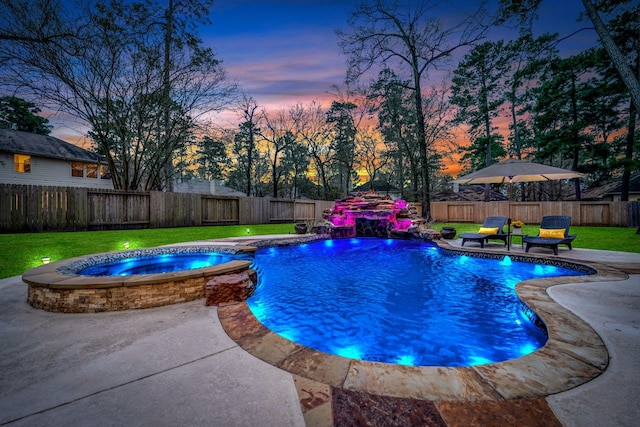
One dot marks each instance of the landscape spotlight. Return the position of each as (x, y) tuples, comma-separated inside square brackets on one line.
[(46, 259)]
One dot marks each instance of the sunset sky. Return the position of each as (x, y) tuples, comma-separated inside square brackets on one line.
[(285, 51)]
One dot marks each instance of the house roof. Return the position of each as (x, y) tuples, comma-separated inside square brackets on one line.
[(468, 193), (379, 186), (17, 142), (611, 188)]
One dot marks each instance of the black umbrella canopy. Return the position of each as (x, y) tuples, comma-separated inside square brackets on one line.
[(514, 170)]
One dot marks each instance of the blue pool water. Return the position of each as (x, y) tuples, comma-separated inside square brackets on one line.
[(160, 263), (397, 301)]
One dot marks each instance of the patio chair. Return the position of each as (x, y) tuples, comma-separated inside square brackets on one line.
[(554, 231), (492, 229)]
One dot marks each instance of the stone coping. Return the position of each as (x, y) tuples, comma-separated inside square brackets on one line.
[(61, 274), (574, 353)]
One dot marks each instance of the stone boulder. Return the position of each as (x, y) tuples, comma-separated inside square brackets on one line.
[(230, 287)]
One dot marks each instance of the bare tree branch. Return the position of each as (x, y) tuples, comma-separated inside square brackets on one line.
[(407, 39)]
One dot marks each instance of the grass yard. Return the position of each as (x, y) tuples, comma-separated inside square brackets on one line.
[(623, 239), (20, 252)]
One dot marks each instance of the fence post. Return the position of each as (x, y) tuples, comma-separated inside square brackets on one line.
[(156, 209), (244, 210), (78, 201), (633, 214)]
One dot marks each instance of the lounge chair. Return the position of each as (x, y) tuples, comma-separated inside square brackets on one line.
[(554, 231), (492, 229)]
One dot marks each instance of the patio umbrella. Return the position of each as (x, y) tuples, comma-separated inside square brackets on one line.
[(513, 170)]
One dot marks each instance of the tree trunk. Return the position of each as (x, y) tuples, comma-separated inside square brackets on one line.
[(516, 132), (422, 142), (626, 174), (249, 162), (166, 140), (275, 178), (575, 136), (487, 130), (617, 58), (628, 152)]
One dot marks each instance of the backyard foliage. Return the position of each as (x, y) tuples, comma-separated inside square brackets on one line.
[(18, 114), (147, 97), (135, 73)]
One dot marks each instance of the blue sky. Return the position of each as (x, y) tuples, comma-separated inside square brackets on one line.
[(285, 51), (280, 51)]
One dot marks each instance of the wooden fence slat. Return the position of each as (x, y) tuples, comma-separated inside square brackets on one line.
[(281, 210), (26, 208), (633, 213), (5, 207), (581, 213), (219, 210)]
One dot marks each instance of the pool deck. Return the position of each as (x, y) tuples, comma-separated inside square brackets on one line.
[(176, 365)]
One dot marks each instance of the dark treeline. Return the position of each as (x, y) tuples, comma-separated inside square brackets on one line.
[(148, 97)]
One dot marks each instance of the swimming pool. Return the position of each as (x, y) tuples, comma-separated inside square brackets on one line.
[(398, 301), (159, 263)]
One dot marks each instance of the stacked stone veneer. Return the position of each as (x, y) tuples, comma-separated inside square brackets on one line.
[(54, 287), (93, 300)]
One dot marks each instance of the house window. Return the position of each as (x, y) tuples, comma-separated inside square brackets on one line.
[(77, 169), (22, 163), (92, 170)]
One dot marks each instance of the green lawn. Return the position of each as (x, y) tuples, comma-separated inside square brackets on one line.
[(622, 239), (20, 252)]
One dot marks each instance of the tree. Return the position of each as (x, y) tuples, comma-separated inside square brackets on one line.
[(478, 92), (344, 131), (560, 111), (526, 58), (244, 143), (18, 114), (43, 18), (310, 123), (617, 58), (625, 30), (280, 171), (295, 162), (397, 124), (438, 130), (602, 112), (135, 73), (212, 158), (525, 10), (370, 154), (184, 167), (278, 134), (383, 33)]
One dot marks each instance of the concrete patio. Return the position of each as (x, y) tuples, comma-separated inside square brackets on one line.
[(176, 365)]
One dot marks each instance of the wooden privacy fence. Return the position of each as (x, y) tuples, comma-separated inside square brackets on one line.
[(624, 214), (29, 208), (38, 208)]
